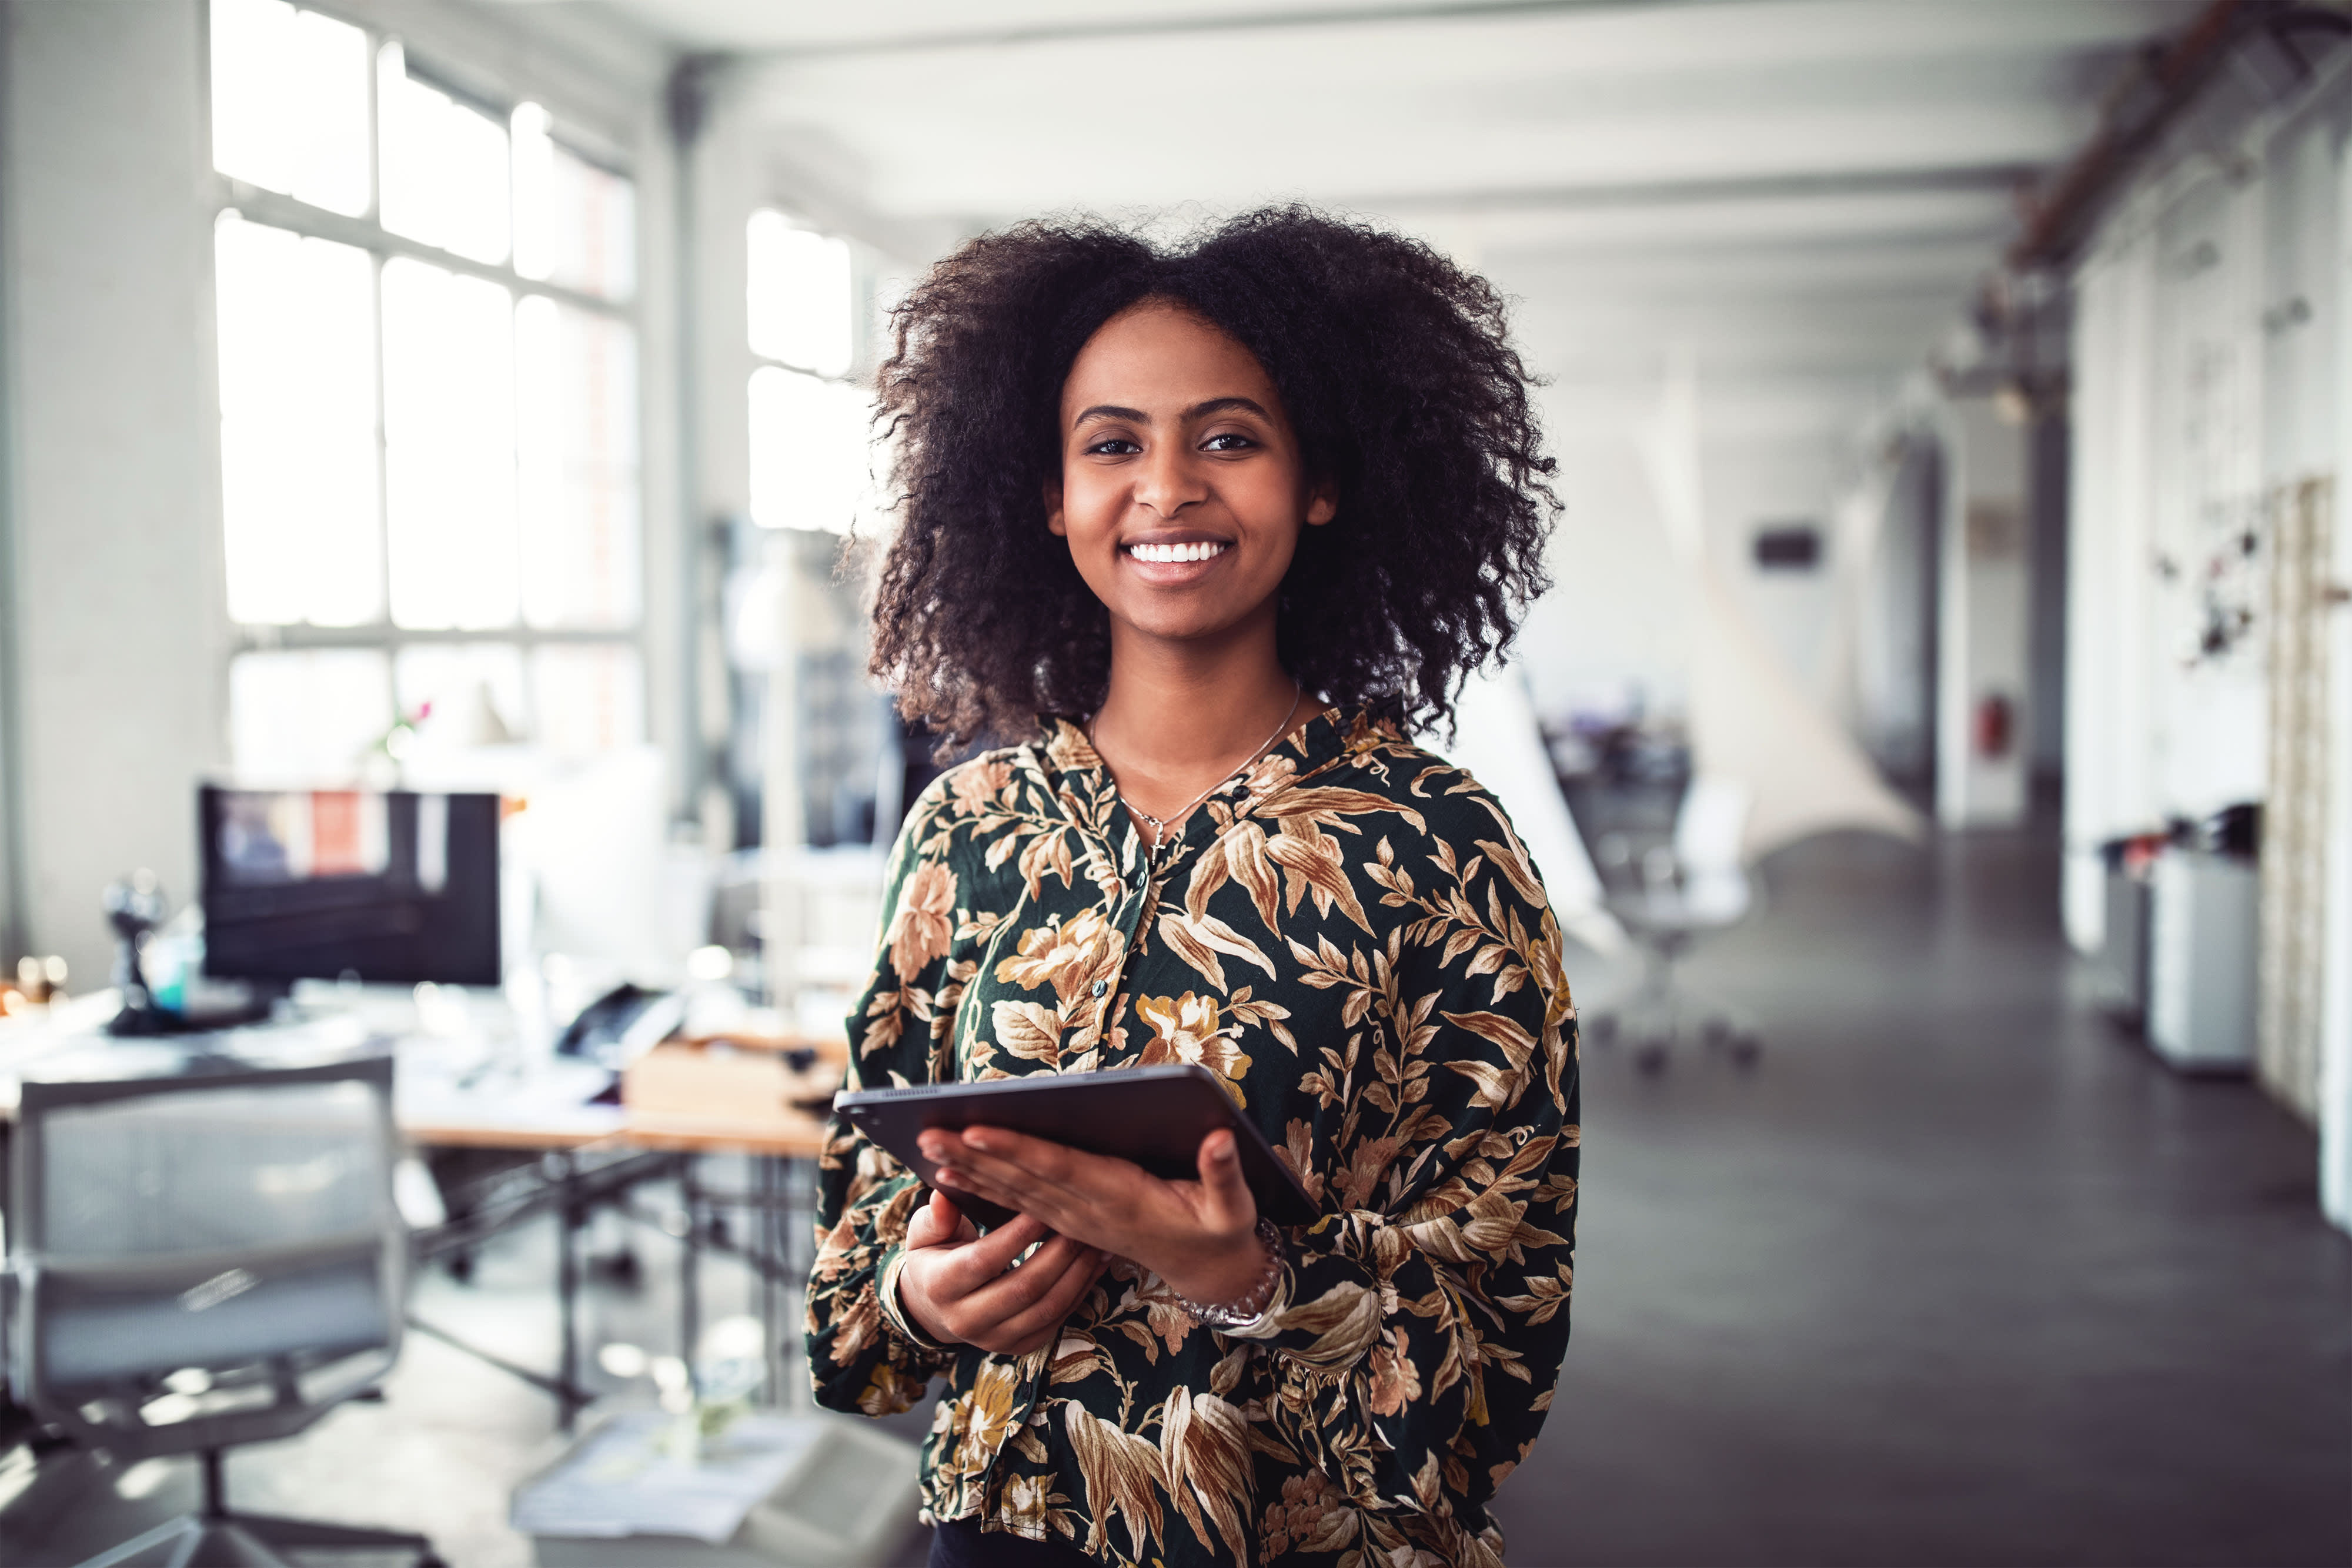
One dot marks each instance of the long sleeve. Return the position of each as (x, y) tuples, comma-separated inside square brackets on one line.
[(1418, 1328), (861, 1356)]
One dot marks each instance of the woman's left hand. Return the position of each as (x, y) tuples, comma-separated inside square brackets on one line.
[(1198, 1236)]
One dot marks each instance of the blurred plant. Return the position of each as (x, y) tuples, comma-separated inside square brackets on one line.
[(729, 1365)]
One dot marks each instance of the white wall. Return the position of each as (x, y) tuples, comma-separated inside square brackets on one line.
[(2110, 659), (1784, 477), (1613, 626), (1617, 619), (2169, 473), (117, 614), (1982, 620), (2210, 359), (2330, 363)]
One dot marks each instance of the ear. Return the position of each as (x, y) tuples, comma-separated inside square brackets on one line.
[(1322, 503), (1054, 522)]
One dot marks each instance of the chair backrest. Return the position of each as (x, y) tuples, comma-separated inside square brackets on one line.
[(1709, 826), (204, 1259), (1709, 831)]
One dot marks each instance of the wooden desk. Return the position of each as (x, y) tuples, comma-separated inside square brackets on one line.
[(730, 1093), (716, 1094)]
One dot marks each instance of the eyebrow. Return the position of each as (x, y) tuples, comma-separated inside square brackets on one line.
[(1213, 405)]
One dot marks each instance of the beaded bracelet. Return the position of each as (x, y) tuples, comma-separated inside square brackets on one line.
[(1262, 1292)]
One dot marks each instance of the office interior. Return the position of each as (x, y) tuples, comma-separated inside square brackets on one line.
[(435, 733)]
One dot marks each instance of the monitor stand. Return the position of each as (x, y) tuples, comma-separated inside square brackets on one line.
[(141, 1016), (133, 908)]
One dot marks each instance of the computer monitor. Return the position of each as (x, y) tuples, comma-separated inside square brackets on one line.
[(390, 886)]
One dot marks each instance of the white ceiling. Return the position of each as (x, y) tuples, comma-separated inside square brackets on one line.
[(1801, 187)]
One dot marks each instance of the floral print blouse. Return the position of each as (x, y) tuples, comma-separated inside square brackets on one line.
[(1353, 936)]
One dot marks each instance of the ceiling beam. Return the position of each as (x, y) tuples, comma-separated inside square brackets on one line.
[(1271, 20), (1681, 192)]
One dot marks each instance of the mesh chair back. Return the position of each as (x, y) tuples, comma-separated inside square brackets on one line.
[(201, 1170), (1708, 833), (203, 1258)]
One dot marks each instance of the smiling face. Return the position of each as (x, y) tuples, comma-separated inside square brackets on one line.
[(1182, 490)]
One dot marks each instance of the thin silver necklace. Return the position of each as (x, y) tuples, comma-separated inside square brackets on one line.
[(1159, 827)]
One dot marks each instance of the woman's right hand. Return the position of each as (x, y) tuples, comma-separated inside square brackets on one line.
[(961, 1288)]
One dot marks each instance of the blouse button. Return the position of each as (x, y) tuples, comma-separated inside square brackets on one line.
[(1100, 987)]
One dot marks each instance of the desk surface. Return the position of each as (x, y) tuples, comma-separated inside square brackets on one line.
[(447, 1092)]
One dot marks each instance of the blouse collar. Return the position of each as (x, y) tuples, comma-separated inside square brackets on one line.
[(1083, 780)]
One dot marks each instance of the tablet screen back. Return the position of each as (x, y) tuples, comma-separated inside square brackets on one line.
[(1155, 1116)]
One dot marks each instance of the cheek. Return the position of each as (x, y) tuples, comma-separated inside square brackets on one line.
[(1090, 506), (1270, 506)]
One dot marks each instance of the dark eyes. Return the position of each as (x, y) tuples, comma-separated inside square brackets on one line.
[(1120, 446)]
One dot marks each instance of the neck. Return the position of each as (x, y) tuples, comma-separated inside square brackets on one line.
[(1180, 715)]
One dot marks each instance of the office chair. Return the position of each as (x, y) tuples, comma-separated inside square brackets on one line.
[(1696, 884), (204, 1260)]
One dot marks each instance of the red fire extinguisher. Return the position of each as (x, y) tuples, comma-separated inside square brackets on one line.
[(1995, 727)]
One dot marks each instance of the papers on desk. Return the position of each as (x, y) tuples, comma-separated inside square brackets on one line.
[(553, 1097), (619, 1481)]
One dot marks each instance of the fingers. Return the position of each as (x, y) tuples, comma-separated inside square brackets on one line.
[(978, 1263), (978, 1316), (1017, 1290), (1224, 1192), (1014, 1161), (1023, 1309), (937, 1223), (971, 1185), (1070, 1190), (1028, 1329), (942, 1280)]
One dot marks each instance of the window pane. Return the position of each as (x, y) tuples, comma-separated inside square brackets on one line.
[(307, 717), (576, 379), (449, 449), (462, 694), (811, 451), (444, 165), (574, 224), (298, 427), (799, 298), (587, 697), (289, 102)]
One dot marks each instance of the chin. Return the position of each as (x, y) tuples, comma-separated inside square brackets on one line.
[(1182, 628)]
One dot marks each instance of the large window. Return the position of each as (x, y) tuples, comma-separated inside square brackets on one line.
[(809, 423), (813, 477), (428, 398)]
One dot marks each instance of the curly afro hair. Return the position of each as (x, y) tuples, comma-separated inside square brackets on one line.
[(1394, 369)]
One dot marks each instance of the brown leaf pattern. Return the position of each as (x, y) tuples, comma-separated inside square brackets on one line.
[(1352, 937)]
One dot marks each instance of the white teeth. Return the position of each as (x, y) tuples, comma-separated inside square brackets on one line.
[(1201, 551)]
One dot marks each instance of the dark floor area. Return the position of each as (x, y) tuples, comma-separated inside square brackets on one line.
[(1957, 1275)]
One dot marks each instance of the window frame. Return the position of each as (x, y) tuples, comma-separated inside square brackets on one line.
[(864, 346), (366, 233)]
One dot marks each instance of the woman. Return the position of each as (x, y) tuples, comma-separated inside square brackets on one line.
[(1229, 515)]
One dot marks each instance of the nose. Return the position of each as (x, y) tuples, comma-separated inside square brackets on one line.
[(1168, 480)]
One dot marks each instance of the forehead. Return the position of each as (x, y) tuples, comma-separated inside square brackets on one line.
[(1159, 357)]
